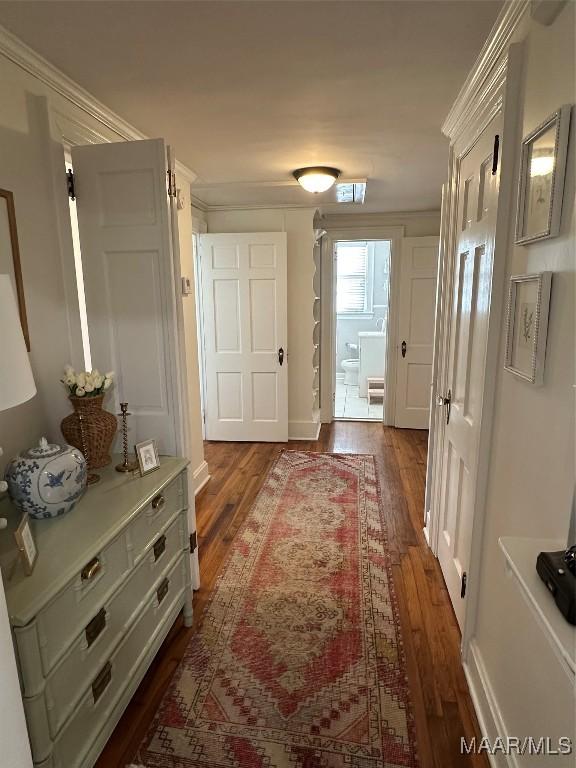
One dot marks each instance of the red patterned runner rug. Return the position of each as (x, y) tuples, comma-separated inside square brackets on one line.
[(298, 663)]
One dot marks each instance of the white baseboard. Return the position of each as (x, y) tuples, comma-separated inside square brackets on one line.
[(200, 477), (303, 430), (486, 706), (426, 534)]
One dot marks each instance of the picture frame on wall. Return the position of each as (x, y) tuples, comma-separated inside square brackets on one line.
[(26, 545), (147, 455), (10, 256), (527, 326), (541, 183)]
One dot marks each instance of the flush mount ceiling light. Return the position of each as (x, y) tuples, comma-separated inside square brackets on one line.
[(317, 178)]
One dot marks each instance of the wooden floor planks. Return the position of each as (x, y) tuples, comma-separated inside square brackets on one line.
[(441, 700)]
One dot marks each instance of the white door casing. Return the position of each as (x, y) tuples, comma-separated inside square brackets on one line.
[(419, 267), (126, 242), (183, 425), (471, 268), (244, 307)]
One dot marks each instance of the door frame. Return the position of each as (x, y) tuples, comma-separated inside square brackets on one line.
[(395, 235), (499, 93)]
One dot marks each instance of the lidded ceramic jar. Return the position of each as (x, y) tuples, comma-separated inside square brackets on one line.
[(47, 481)]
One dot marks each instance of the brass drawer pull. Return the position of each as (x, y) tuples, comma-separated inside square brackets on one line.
[(95, 627), (162, 590), (101, 682), (158, 502), (91, 569), (159, 547)]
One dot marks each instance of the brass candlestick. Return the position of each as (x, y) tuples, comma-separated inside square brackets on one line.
[(126, 466), (91, 477)]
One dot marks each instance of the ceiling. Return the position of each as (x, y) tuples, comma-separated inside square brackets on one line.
[(248, 91)]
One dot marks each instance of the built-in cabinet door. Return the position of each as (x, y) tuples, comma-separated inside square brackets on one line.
[(245, 329), (129, 281), (415, 345), (470, 282)]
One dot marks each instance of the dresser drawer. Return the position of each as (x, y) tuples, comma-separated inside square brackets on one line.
[(105, 690), (104, 631), (67, 615), (144, 529)]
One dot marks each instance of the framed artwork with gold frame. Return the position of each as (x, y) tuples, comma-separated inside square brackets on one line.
[(10, 255)]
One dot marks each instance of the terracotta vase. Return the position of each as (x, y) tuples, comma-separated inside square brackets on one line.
[(98, 430)]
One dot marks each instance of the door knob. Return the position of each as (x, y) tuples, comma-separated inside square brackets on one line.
[(403, 347), (446, 401), (280, 355)]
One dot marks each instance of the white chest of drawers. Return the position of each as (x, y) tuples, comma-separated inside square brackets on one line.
[(111, 577)]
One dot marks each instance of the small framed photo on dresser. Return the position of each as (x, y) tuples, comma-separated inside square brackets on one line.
[(26, 545), (147, 455)]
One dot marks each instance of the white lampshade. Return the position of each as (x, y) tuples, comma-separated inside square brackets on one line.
[(16, 380)]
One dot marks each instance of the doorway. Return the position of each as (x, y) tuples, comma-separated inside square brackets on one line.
[(362, 291)]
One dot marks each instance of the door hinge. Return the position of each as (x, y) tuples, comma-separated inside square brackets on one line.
[(193, 542), (495, 154), (463, 585), (171, 183), (70, 183)]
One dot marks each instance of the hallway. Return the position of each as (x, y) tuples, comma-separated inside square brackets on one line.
[(440, 697)]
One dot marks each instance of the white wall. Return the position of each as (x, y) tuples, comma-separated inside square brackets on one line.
[(532, 458), (29, 152), (32, 122), (414, 223), (299, 226)]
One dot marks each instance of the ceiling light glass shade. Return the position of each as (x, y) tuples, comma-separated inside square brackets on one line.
[(317, 178)]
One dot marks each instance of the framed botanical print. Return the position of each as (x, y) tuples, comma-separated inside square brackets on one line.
[(527, 326), (10, 255), (542, 169)]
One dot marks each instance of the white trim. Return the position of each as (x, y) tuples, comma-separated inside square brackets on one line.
[(485, 703), (200, 476), (497, 43), (304, 430), (36, 65), (436, 429)]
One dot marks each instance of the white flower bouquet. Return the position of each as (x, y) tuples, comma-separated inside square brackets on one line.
[(86, 383)]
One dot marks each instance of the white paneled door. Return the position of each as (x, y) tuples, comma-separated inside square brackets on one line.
[(130, 260), (471, 287), (129, 281), (244, 311), (415, 346)]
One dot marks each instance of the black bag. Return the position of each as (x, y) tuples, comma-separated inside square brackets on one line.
[(558, 571)]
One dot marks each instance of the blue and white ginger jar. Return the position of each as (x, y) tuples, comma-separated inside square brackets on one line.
[(47, 481)]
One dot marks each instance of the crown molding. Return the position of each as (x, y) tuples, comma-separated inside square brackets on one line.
[(508, 21), (16, 51)]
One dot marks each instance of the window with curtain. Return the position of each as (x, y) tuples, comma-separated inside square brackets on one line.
[(351, 277)]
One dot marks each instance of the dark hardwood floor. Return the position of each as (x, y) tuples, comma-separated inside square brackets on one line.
[(440, 696)]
